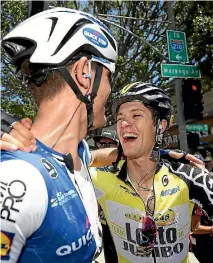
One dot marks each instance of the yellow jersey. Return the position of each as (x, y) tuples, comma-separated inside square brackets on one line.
[(175, 186)]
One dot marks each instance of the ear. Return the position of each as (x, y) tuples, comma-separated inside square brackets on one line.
[(81, 68), (164, 125)]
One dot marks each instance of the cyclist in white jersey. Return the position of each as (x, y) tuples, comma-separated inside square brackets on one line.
[(48, 207)]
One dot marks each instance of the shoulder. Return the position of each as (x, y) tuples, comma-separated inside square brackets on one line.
[(34, 159), (103, 173), (20, 169), (183, 169), (104, 178), (23, 197), (190, 174), (23, 203)]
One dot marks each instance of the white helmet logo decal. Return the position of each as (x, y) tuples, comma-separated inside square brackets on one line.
[(95, 37), (163, 105)]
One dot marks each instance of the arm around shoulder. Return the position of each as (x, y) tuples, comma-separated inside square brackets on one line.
[(201, 189), (103, 157)]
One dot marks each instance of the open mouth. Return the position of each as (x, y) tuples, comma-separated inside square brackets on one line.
[(129, 137)]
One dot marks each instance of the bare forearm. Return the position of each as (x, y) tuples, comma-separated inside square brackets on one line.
[(200, 229), (103, 157)]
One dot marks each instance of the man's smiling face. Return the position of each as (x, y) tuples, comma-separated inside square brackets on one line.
[(136, 130)]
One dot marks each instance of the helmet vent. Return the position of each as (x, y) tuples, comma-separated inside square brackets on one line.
[(71, 32), (54, 22), (18, 49), (110, 39)]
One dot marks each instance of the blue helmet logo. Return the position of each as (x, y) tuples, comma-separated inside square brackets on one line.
[(95, 37)]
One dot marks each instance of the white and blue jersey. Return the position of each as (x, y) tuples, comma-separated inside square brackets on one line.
[(48, 214)]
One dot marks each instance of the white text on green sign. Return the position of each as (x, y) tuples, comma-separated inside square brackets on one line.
[(177, 47), (180, 71), (196, 127)]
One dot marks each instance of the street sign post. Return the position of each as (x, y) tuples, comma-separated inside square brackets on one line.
[(180, 71), (177, 47)]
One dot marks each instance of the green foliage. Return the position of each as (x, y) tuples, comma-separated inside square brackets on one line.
[(137, 61), (15, 97), (196, 19)]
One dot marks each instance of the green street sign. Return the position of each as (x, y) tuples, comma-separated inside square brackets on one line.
[(179, 71), (177, 47), (197, 127)]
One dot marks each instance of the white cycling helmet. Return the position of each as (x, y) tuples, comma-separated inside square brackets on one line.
[(53, 38)]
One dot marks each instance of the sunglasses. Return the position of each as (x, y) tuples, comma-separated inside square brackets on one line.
[(106, 144), (146, 235)]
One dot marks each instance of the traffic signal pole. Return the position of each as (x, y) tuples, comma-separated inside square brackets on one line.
[(178, 92)]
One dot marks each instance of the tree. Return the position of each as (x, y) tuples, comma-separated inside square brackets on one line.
[(196, 19), (137, 61), (14, 97)]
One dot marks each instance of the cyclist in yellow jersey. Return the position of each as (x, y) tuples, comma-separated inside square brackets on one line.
[(146, 202), (137, 210)]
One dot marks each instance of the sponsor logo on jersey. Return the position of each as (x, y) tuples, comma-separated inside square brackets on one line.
[(6, 243), (165, 218), (129, 232), (11, 195), (171, 191), (165, 180), (135, 217), (50, 168), (168, 237), (62, 198), (84, 241), (95, 37)]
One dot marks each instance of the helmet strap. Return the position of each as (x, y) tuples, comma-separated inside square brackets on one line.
[(158, 140), (114, 168), (155, 154), (89, 98), (159, 133)]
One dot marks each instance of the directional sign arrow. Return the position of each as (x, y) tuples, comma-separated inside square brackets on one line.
[(178, 57)]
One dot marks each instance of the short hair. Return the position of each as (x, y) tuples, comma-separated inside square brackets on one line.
[(53, 84)]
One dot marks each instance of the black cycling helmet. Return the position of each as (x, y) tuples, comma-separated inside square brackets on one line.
[(150, 95), (153, 98)]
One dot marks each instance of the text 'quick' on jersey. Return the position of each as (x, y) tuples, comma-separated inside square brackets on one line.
[(47, 213)]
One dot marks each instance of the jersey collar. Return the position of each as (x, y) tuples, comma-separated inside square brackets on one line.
[(122, 175)]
